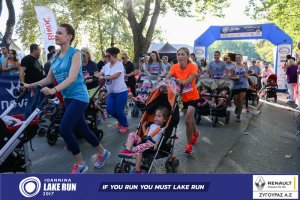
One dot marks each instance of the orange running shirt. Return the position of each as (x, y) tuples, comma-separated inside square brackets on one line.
[(190, 91)]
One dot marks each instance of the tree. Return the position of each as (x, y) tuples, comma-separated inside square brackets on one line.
[(265, 49), (245, 48), (10, 23), (127, 24), (284, 13)]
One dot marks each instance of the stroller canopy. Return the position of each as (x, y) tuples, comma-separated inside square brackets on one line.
[(272, 76)]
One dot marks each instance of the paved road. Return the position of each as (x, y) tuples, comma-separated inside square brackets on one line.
[(222, 149)]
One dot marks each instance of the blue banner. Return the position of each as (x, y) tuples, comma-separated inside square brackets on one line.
[(148, 186), (9, 87)]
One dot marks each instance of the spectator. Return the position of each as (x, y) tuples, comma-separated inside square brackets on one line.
[(4, 57), (51, 49), (129, 74), (11, 65), (193, 58), (291, 73), (66, 69), (89, 68), (101, 63), (185, 72), (265, 73), (216, 68), (48, 63), (114, 74), (31, 71)]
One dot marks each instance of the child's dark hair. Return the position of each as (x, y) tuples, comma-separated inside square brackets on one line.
[(165, 112)]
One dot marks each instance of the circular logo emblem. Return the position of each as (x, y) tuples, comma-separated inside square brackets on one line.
[(225, 29), (284, 50), (29, 187), (199, 52)]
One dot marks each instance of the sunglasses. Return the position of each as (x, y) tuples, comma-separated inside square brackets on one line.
[(123, 58), (107, 56)]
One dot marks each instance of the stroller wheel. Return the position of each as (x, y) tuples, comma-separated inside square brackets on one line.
[(122, 167), (198, 119), (171, 165), (99, 134), (132, 113), (257, 100), (227, 117), (41, 132), (214, 121), (136, 113), (275, 98), (52, 139)]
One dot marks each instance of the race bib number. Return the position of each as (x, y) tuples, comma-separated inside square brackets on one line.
[(187, 88)]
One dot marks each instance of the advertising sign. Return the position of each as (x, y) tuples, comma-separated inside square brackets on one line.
[(240, 31)]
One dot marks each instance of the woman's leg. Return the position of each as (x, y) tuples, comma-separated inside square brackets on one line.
[(110, 105), (120, 103), (190, 123), (236, 102), (73, 113), (241, 98)]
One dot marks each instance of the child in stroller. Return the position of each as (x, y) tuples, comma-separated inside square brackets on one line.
[(162, 100), (270, 88), (214, 99), (252, 93), (151, 137), (139, 102)]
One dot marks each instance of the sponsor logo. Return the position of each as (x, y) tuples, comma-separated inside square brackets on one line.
[(225, 29), (275, 187), (284, 50), (260, 183), (29, 187), (13, 90), (199, 52)]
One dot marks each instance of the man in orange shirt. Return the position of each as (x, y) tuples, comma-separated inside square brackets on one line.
[(185, 72)]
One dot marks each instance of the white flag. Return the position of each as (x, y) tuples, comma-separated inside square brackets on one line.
[(48, 25)]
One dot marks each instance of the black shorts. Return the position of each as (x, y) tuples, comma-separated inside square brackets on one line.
[(190, 103), (237, 91)]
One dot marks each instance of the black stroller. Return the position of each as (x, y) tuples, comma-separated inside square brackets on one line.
[(164, 94), (13, 138), (213, 87), (90, 115)]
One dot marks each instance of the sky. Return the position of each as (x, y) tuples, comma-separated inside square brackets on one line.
[(176, 30)]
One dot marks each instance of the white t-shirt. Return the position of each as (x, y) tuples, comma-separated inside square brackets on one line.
[(117, 85), (158, 135)]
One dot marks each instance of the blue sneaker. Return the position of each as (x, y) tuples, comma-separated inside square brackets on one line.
[(101, 159), (79, 169)]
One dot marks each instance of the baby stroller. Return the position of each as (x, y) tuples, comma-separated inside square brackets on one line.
[(139, 102), (162, 95), (270, 88), (90, 115), (13, 138), (214, 87), (253, 89)]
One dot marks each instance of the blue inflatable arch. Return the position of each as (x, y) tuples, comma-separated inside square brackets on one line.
[(271, 32)]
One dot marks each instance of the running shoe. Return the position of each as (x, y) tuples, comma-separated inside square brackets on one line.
[(125, 154), (124, 129), (188, 149), (195, 137), (118, 126), (79, 169), (247, 109), (102, 159)]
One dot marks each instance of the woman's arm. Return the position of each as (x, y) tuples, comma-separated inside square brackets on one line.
[(189, 79), (112, 77)]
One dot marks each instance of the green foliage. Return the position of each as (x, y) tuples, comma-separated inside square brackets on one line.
[(265, 49), (284, 13), (107, 22), (245, 48)]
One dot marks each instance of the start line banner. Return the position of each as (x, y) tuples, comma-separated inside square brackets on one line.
[(148, 186)]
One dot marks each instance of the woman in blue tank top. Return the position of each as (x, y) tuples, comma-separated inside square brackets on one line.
[(66, 68), (240, 86)]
